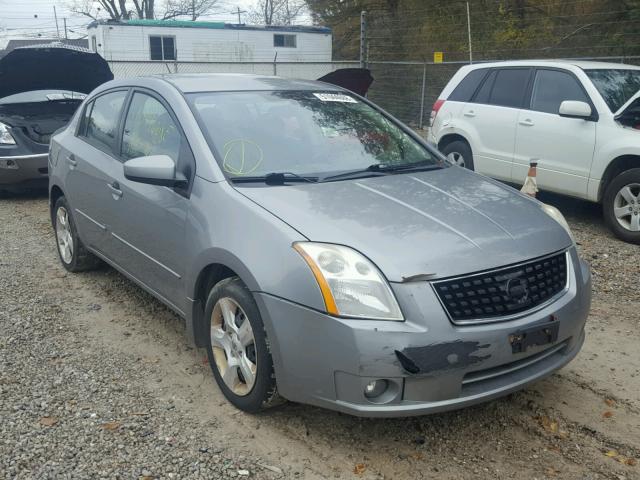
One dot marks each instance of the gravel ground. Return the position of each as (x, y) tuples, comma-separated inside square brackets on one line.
[(97, 380)]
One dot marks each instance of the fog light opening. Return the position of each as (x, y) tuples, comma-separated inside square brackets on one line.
[(375, 388), (8, 164)]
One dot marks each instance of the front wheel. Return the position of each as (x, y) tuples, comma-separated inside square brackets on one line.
[(459, 153), (238, 349), (621, 205)]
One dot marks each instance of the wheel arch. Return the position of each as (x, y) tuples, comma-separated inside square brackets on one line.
[(450, 138), (616, 167), (213, 271), (55, 193)]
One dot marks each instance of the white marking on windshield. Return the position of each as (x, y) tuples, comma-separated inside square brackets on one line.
[(335, 97)]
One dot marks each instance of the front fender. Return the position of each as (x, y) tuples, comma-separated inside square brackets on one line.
[(224, 227)]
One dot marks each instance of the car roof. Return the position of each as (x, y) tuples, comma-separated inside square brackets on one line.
[(229, 82), (582, 64)]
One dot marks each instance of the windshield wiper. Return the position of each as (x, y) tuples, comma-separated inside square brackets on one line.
[(417, 166), (374, 170), (275, 178), (378, 169)]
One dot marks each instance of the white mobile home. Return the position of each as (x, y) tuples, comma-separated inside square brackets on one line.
[(186, 41)]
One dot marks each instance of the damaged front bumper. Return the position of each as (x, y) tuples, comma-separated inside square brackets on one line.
[(23, 170), (428, 364)]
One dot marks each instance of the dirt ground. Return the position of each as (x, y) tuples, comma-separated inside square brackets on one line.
[(581, 423)]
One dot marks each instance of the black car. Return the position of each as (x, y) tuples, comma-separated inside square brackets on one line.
[(41, 87)]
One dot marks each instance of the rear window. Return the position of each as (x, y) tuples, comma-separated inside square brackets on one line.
[(509, 87), (468, 86), (616, 86), (485, 90), (102, 117)]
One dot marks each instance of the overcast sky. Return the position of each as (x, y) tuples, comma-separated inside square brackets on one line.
[(35, 18)]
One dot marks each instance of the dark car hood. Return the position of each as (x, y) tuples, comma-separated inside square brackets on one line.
[(357, 80), (439, 223), (49, 67)]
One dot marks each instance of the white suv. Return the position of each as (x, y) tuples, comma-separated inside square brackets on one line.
[(580, 120)]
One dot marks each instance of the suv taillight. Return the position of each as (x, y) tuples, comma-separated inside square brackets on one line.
[(434, 111)]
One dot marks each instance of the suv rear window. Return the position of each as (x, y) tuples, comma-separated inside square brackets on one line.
[(509, 87), (468, 86)]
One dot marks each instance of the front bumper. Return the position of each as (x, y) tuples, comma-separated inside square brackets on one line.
[(327, 361), (23, 170)]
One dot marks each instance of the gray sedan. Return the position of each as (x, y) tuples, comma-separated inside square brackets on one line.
[(317, 248)]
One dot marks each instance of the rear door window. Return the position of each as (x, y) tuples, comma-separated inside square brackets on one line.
[(509, 87), (552, 87), (468, 86), (102, 123)]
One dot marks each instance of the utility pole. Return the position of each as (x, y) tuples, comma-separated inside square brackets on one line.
[(363, 39), (193, 10), (56, 17), (469, 32), (239, 12), (66, 37)]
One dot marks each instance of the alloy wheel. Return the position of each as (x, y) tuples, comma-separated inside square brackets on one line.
[(456, 158), (626, 207), (234, 346), (63, 234)]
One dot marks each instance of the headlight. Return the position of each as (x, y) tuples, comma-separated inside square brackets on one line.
[(554, 213), (351, 285), (5, 137)]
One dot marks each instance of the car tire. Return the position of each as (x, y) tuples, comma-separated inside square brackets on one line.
[(459, 153), (235, 352), (621, 205), (73, 254)]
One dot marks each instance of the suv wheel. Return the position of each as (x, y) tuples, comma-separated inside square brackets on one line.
[(73, 254), (459, 153), (621, 205), (238, 349)]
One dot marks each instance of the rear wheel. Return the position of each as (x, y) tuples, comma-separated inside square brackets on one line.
[(238, 349), (621, 205), (73, 254), (459, 153)]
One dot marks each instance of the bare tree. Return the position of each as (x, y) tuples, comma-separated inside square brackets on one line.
[(191, 8), (127, 9), (276, 12)]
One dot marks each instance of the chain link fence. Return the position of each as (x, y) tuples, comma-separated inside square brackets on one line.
[(397, 42), (302, 70)]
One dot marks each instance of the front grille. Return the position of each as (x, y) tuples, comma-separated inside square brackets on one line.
[(503, 292)]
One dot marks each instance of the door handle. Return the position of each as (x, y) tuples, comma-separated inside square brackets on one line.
[(470, 113), (115, 190), (527, 122), (71, 160)]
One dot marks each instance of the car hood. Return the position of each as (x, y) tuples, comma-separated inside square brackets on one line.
[(52, 67), (423, 225), (632, 102)]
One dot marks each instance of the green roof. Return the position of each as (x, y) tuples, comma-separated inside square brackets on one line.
[(174, 23)]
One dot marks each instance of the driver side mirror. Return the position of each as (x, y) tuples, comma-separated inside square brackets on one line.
[(574, 109), (154, 170)]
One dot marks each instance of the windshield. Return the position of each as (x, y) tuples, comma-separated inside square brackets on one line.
[(42, 96), (301, 132), (615, 86)]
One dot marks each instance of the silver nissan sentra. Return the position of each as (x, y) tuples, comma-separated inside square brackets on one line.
[(318, 249)]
